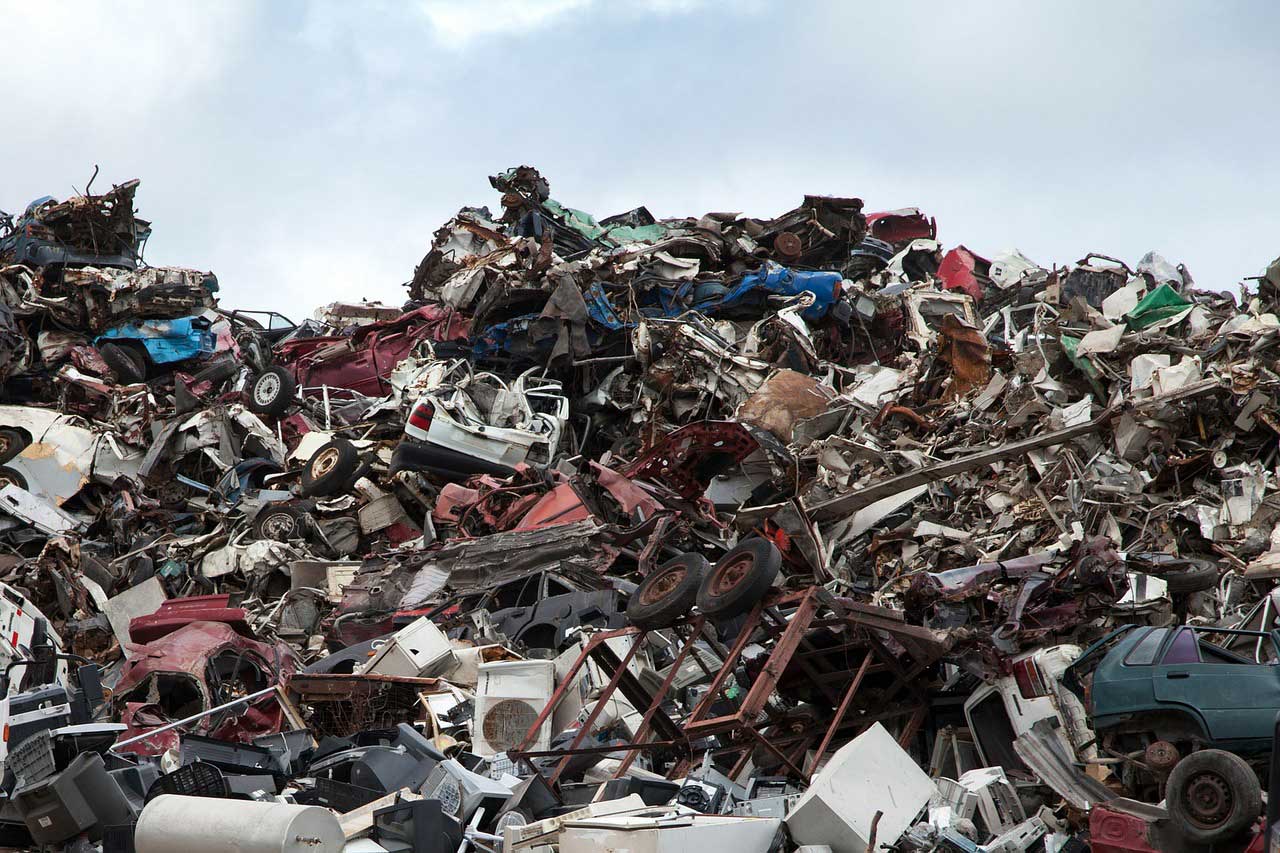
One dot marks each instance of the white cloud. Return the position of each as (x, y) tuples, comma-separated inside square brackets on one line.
[(458, 22), (81, 57)]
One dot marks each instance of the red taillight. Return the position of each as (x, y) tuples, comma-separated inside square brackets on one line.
[(420, 417), (1029, 679)]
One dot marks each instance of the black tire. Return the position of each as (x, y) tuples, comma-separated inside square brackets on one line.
[(128, 364), (9, 475), (1212, 796), (12, 442), (740, 579), (365, 470), (272, 391), (330, 469), (667, 593), (1197, 577), (278, 523), (217, 373)]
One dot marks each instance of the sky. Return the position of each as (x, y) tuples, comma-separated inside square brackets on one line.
[(306, 151)]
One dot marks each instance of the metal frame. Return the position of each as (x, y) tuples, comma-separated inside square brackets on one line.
[(787, 619)]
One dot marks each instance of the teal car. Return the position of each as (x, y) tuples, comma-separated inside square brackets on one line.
[(1192, 687)]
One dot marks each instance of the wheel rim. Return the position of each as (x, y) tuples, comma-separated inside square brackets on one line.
[(6, 443), (6, 480), (267, 388), (730, 574), (279, 524), (663, 584), (325, 462), (1208, 800)]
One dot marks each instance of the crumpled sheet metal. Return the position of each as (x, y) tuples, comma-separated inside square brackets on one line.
[(974, 452)]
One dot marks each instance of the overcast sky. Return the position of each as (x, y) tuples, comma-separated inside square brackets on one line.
[(306, 152)]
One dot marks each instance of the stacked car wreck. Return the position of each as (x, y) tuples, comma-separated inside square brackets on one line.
[(748, 533)]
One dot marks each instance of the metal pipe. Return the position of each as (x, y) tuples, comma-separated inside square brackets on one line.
[(170, 726)]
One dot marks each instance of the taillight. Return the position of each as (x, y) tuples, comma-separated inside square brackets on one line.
[(1030, 679), (420, 417)]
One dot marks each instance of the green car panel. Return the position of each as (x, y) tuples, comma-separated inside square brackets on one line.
[(1187, 670)]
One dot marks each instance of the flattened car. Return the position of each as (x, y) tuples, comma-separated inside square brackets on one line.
[(360, 363), (52, 456)]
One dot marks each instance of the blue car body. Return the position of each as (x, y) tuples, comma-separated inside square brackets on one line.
[(118, 239), (705, 297), (776, 280), (167, 341)]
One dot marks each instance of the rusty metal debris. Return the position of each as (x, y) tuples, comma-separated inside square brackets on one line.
[(763, 533)]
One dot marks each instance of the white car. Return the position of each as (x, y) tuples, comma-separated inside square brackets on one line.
[(464, 423), (53, 456)]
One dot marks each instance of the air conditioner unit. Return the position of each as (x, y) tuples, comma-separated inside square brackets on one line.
[(418, 650), (509, 697)]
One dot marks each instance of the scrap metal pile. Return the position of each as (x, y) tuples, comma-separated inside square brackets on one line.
[(750, 533)]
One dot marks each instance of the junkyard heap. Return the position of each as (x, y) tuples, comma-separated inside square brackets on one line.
[(807, 532)]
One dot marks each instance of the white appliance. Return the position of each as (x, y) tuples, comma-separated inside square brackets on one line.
[(509, 697), (869, 773), (669, 829), (418, 650)]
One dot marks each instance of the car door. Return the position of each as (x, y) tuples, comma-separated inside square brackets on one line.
[(1236, 697), (388, 350), (349, 367)]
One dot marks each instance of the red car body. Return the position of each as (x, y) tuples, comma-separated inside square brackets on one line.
[(362, 361), (901, 226), (176, 675)]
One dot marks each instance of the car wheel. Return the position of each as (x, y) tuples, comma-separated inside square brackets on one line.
[(1201, 575), (8, 476), (128, 364), (12, 443), (330, 469), (278, 524), (740, 579), (272, 391), (1212, 795), (217, 373), (667, 593)]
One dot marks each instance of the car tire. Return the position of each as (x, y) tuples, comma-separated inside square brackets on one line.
[(272, 391), (1202, 575), (216, 373), (12, 443), (740, 579), (330, 469), (10, 476), (667, 593), (127, 363), (278, 523), (1212, 795)]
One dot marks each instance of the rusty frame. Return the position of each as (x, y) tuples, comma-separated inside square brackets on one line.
[(868, 629)]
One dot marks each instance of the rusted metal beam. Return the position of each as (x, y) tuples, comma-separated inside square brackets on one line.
[(841, 711), (844, 505)]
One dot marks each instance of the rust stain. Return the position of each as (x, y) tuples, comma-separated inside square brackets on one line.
[(39, 451), (965, 350), (783, 400)]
